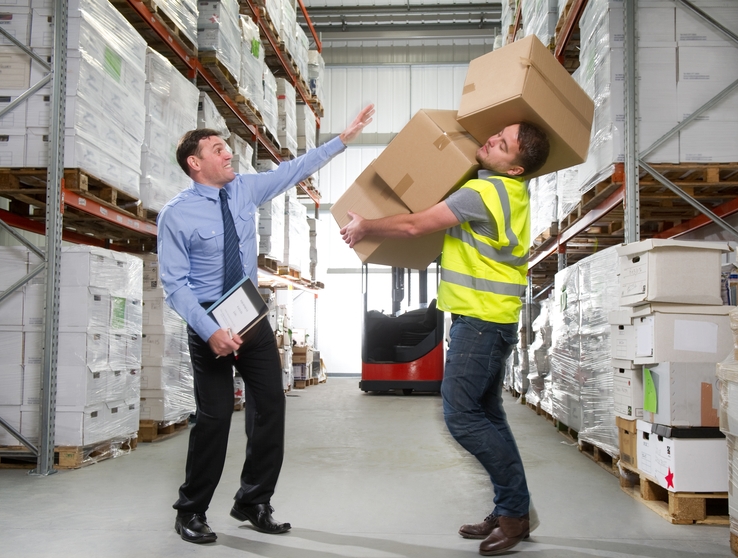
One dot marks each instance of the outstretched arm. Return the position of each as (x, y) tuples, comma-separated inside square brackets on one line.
[(436, 218), (355, 128)]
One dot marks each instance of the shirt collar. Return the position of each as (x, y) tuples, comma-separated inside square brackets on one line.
[(485, 174), (209, 192)]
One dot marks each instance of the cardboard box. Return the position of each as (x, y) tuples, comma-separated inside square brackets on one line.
[(678, 271), (687, 394), (627, 441), (523, 81), (78, 386), (687, 460), (80, 427), (431, 156), (682, 333), (645, 445), (302, 354), (622, 334), (628, 392), (371, 198)]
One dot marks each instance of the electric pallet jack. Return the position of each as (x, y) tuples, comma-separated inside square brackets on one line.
[(402, 351)]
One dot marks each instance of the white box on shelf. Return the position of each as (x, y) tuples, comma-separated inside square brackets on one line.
[(682, 333), (84, 307), (78, 386), (683, 463), (687, 394), (628, 391), (80, 427), (675, 271), (12, 148), (646, 447)]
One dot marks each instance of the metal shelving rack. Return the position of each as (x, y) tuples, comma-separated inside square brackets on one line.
[(58, 197), (625, 191)]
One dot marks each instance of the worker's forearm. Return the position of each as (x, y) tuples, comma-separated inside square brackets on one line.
[(395, 226)]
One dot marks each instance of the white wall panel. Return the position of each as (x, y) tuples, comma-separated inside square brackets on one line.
[(349, 89), (341, 172), (437, 87)]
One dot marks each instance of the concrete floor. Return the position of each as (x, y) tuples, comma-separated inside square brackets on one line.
[(365, 476)]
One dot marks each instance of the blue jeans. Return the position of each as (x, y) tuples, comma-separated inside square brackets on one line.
[(472, 407)]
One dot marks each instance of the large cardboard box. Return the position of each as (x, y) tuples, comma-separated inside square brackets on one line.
[(690, 459), (678, 271), (627, 441), (431, 156), (687, 394), (682, 333), (523, 81), (371, 198)]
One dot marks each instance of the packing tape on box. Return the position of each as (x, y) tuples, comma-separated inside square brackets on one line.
[(568, 104), (442, 142), (404, 185)]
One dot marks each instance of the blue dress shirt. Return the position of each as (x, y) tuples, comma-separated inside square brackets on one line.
[(190, 233)]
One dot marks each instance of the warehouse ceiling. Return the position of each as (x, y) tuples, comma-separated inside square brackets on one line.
[(337, 20)]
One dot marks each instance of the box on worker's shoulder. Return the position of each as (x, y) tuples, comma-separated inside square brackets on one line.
[(371, 198), (523, 81), (431, 156)]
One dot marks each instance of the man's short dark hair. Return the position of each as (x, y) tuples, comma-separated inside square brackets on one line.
[(534, 147), (189, 144)]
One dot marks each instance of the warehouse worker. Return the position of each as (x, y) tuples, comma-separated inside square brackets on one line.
[(193, 229), (483, 276)]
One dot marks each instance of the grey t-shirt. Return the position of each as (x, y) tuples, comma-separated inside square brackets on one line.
[(467, 205)]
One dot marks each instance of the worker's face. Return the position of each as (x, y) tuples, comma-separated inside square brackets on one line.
[(212, 165), (500, 151)]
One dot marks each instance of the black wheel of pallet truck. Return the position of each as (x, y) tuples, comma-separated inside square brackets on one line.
[(407, 391)]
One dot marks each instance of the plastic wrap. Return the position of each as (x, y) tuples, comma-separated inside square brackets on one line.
[(274, 12), (507, 18), (243, 154), (580, 360), (300, 54), (209, 117), (306, 128), (269, 113), (218, 32), (287, 115), (316, 72), (271, 228), (539, 18), (287, 24), (297, 237), (250, 83), (543, 205), (183, 13), (171, 110), (732, 482), (539, 357)]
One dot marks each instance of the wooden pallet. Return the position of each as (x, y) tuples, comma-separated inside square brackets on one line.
[(566, 431), (268, 263), (287, 154), (225, 78), (289, 272), (69, 457), (681, 508), (156, 431), (302, 384), (600, 456), (249, 110)]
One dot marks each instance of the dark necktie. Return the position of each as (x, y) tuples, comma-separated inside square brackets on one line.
[(233, 268)]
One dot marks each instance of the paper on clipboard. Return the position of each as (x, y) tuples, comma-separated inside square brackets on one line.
[(239, 309)]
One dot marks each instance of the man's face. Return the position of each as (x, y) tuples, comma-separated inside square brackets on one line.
[(500, 151), (212, 165)]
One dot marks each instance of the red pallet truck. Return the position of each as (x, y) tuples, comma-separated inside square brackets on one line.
[(402, 352)]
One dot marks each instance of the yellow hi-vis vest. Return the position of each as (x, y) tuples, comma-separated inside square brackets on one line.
[(481, 276)]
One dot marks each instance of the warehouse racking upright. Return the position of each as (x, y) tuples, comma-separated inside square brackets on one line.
[(105, 222)]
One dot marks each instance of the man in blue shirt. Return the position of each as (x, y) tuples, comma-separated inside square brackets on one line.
[(191, 262)]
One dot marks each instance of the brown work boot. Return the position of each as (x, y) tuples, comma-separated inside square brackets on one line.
[(508, 533), (479, 530)]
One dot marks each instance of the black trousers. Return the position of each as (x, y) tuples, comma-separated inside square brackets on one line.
[(259, 365)]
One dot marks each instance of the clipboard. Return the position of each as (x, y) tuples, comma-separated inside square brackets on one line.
[(240, 308)]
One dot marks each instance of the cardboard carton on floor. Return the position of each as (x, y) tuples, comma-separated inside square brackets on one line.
[(523, 81), (430, 157), (370, 197)]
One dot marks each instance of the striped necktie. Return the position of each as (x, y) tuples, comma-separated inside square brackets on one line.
[(233, 268)]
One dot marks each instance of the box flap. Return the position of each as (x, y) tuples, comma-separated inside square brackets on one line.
[(665, 308), (656, 243), (623, 316)]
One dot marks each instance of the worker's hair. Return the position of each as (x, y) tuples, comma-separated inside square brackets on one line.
[(189, 144), (533, 145)]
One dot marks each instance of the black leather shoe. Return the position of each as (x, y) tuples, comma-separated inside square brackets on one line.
[(194, 528), (260, 516)]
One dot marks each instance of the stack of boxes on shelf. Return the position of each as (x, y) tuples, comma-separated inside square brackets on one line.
[(682, 62), (99, 346), (219, 34), (182, 13), (209, 117), (727, 372), (539, 361), (243, 154), (104, 94), (166, 376), (306, 129), (250, 82), (581, 373), (668, 335), (316, 72), (270, 109), (171, 110), (539, 17), (296, 235), (287, 115), (271, 228), (280, 318)]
